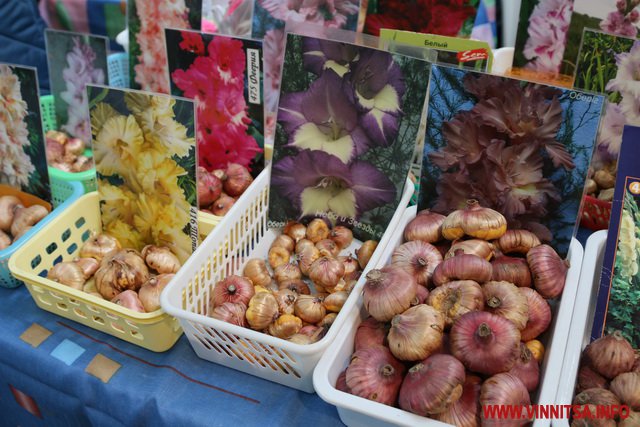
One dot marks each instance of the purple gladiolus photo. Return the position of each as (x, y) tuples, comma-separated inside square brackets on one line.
[(347, 128)]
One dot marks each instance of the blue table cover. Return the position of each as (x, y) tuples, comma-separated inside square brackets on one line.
[(48, 386)]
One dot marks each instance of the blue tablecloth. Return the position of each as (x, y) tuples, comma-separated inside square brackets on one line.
[(48, 385)]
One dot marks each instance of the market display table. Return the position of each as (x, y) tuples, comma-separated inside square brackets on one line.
[(55, 372)]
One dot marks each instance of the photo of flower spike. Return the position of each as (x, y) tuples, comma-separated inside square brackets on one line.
[(623, 313), (443, 17), (348, 121), (23, 160), (618, 17), (145, 154), (542, 33), (224, 76), (608, 64), (269, 18), (147, 20), (75, 60), (520, 148)]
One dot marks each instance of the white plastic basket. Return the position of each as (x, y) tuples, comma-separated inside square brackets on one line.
[(580, 329), (243, 234), (357, 411)]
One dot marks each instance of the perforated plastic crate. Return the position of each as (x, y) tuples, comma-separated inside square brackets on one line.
[(68, 193), (243, 234), (60, 240), (357, 411)]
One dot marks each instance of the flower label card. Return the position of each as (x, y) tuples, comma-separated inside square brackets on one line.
[(520, 148), (608, 64), (457, 52), (147, 20), (223, 75), (145, 154), (347, 127), (23, 158), (74, 61), (540, 41), (617, 306)]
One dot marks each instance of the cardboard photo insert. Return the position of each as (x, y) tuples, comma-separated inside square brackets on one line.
[(520, 148), (619, 17), (23, 158), (145, 154), (617, 306), (540, 42), (606, 64), (147, 20), (224, 75), (348, 121), (75, 60)]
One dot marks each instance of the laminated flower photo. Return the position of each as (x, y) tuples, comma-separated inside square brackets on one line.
[(619, 291), (75, 60), (147, 20), (609, 64), (232, 17), (145, 153), (269, 18), (453, 18), (23, 158), (540, 41), (619, 17), (348, 122), (224, 76), (518, 147)]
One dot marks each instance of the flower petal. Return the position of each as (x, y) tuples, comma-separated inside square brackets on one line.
[(290, 113), (320, 54), (319, 201), (372, 188), (309, 136), (284, 181), (559, 155), (381, 127), (325, 102)]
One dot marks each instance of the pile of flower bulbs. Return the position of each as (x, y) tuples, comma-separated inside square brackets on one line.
[(125, 277), (609, 375), (66, 153), (298, 291), (454, 317), (218, 190), (15, 219), (601, 184)]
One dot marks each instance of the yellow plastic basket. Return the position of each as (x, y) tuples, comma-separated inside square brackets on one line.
[(60, 240)]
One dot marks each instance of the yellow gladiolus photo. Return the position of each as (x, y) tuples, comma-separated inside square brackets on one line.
[(145, 154)]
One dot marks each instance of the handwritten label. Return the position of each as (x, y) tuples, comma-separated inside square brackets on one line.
[(253, 75), (472, 55)]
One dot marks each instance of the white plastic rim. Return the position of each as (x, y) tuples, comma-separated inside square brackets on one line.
[(502, 60), (123, 39), (356, 411), (580, 329)]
